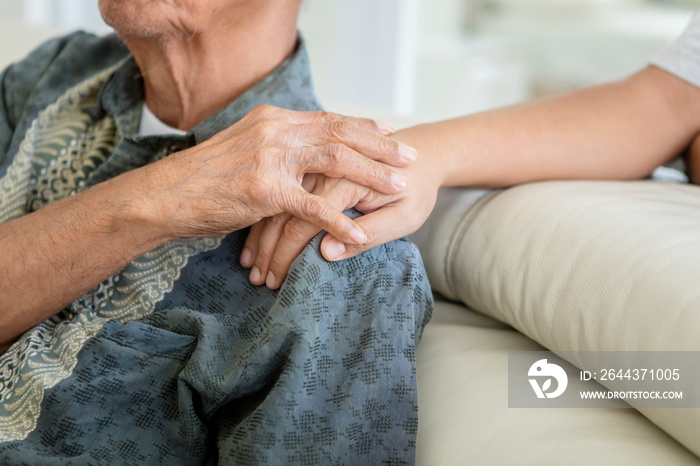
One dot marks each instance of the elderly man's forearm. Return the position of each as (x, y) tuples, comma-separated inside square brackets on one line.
[(231, 181), (55, 255), (621, 130)]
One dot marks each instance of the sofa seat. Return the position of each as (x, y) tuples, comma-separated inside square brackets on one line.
[(464, 417)]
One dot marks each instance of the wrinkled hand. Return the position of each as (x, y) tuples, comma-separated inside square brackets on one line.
[(255, 169), (275, 242)]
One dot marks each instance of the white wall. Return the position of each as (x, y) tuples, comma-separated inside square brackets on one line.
[(368, 54), (474, 55), (415, 60)]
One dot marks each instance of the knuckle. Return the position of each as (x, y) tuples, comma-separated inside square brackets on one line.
[(336, 153), (295, 232), (264, 157), (370, 123), (261, 190), (388, 145), (262, 110), (330, 117), (338, 129), (371, 236), (324, 117), (264, 128), (263, 258), (360, 248), (277, 220), (377, 172), (313, 208), (277, 266)]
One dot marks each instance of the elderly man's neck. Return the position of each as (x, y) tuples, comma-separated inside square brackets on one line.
[(189, 78)]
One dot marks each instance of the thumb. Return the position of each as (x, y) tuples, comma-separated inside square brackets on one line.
[(381, 226)]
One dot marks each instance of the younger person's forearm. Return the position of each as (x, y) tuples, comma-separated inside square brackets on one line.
[(621, 130)]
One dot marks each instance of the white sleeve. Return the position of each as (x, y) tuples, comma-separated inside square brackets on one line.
[(682, 56)]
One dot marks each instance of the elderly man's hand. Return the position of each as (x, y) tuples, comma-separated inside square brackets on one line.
[(255, 169), (275, 242)]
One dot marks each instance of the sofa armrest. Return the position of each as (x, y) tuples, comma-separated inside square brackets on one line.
[(436, 239), (580, 266)]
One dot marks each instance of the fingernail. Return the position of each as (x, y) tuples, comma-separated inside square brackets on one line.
[(358, 236), (407, 153), (334, 249), (270, 282), (246, 258), (385, 127), (255, 276), (398, 180)]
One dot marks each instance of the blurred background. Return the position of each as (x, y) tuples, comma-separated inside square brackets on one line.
[(410, 61)]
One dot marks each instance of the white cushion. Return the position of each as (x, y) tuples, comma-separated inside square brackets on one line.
[(579, 266)]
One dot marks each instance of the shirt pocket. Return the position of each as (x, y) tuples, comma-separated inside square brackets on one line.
[(148, 339)]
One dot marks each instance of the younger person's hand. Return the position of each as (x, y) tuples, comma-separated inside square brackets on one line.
[(275, 242)]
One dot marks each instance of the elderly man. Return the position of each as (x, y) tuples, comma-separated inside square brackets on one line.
[(128, 168)]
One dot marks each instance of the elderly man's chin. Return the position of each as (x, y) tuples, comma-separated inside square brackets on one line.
[(152, 18)]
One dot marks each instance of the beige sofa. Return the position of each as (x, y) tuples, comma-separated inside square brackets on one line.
[(566, 266)]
